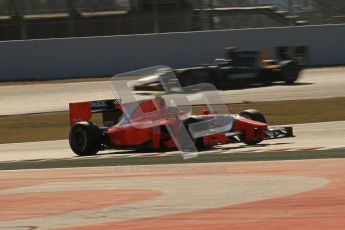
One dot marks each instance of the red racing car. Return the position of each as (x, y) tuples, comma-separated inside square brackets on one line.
[(161, 128)]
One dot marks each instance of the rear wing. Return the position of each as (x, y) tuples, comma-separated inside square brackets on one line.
[(82, 111)]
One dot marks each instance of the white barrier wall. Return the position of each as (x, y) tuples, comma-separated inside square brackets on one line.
[(100, 56)]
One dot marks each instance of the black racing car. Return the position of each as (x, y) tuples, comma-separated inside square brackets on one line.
[(238, 69)]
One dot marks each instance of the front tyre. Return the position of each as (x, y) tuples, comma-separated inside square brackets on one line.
[(85, 139), (254, 115), (191, 77)]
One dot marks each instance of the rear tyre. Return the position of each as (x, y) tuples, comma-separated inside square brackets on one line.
[(289, 71), (254, 115), (85, 139)]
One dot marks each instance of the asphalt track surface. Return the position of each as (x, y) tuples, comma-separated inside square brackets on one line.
[(314, 83), (37, 98), (272, 195), (281, 195), (313, 136)]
